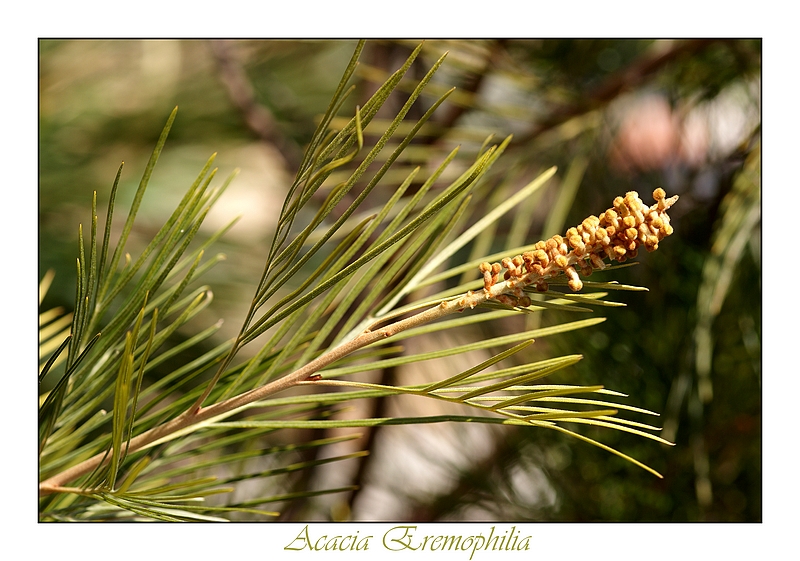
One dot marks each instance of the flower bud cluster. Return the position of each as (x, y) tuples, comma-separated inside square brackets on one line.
[(615, 234)]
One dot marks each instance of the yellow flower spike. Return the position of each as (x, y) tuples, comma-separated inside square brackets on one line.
[(616, 234)]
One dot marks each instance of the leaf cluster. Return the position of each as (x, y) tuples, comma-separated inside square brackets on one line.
[(175, 448)]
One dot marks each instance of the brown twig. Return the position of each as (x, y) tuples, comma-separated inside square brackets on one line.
[(619, 82), (241, 92)]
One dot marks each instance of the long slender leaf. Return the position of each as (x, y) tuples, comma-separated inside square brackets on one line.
[(137, 199)]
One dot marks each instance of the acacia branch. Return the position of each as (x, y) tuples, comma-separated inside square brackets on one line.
[(189, 418), (617, 234), (194, 417)]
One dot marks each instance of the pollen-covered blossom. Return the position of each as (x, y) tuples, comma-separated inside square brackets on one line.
[(615, 234)]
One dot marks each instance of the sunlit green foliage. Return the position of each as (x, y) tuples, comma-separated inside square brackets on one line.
[(385, 217)]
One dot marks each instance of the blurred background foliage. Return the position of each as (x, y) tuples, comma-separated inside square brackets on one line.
[(613, 115)]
